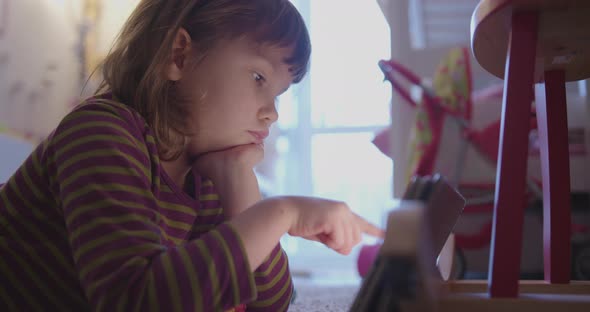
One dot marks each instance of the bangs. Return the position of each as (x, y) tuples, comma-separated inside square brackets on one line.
[(287, 29), (272, 22)]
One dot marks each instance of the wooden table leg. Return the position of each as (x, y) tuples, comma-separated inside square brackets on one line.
[(550, 99), (506, 244)]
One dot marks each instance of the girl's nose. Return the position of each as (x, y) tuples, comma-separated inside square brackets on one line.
[(269, 112)]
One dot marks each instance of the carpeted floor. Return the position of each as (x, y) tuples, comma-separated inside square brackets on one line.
[(312, 297)]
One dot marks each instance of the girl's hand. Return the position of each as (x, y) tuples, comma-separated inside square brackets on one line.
[(219, 165), (232, 173), (329, 222)]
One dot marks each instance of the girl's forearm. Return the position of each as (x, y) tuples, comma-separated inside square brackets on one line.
[(261, 227), (238, 192)]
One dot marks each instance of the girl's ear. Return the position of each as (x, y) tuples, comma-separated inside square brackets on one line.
[(180, 52)]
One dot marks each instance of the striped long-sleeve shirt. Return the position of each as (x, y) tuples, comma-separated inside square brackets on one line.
[(91, 221)]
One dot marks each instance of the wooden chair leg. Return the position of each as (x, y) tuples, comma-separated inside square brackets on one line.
[(506, 244), (550, 99)]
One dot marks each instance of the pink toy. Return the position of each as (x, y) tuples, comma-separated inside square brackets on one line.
[(366, 257)]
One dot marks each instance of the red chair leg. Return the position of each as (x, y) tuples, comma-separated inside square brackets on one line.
[(506, 244), (553, 135)]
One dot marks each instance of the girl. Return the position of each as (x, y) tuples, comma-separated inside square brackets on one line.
[(144, 196)]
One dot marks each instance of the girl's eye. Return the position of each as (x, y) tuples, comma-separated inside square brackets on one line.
[(258, 77)]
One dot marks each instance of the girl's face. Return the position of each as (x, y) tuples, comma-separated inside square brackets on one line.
[(232, 93)]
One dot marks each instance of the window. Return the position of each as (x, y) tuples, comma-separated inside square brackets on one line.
[(327, 122)]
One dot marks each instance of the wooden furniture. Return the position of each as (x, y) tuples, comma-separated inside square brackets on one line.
[(540, 43), (404, 278)]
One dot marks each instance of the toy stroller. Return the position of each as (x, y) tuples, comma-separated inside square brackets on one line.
[(448, 138)]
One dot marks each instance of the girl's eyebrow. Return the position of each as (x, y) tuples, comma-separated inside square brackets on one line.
[(264, 62)]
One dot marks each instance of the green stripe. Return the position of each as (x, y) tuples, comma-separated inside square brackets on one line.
[(35, 161), (203, 228), (125, 204), (108, 104), (97, 221), (121, 304), (140, 263), (270, 266), (31, 186), (211, 212), (150, 139), (102, 152), (138, 305), (106, 187), (35, 211), (172, 282), (14, 282), (37, 259), (194, 281), (114, 255), (74, 117), (23, 266), (6, 300), (207, 183), (152, 294), (232, 267), (270, 284), (270, 301), (110, 170), (209, 197), (38, 235), (115, 235), (214, 278), (100, 139), (178, 208), (93, 219), (287, 302), (84, 124)]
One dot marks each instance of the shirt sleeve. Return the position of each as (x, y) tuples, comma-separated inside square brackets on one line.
[(101, 173), (273, 283), (273, 278)]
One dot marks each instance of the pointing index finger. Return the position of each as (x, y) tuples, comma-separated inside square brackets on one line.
[(369, 228)]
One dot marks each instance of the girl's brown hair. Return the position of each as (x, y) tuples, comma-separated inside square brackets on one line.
[(133, 70)]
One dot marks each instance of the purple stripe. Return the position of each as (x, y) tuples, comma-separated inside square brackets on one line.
[(273, 272), (132, 120), (65, 274), (264, 266), (102, 230), (15, 201), (76, 119), (108, 211), (184, 283), (107, 178), (275, 306), (23, 187), (162, 291), (202, 272), (112, 264), (37, 181), (115, 159), (217, 219), (174, 232), (239, 259), (134, 277), (210, 204), (22, 277), (7, 266), (82, 141), (263, 295)]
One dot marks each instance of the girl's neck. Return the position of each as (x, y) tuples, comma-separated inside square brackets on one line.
[(177, 170)]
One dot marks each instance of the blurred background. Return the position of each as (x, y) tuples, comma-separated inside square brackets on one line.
[(325, 143)]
